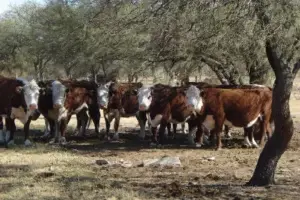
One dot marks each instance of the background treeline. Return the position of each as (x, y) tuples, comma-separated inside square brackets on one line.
[(148, 40)]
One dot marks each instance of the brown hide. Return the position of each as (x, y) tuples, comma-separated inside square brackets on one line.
[(124, 96), (239, 106), (10, 96), (75, 98)]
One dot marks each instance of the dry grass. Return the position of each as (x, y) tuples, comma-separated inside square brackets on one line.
[(49, 172)]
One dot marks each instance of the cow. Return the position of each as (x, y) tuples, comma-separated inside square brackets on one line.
[(145, 99), (233, 107), (168, 105), (83, 120), (19, 101), (118, 100)]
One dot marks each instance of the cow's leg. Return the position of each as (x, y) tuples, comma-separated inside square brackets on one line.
[(107, 124), (26, 131), (52, 129), (192, 131), (183, 128), (266, 129), (141, 117), (168, 129), (78, 126), (11, 128), (251, 137), (63, 128), (199, 135), (247, 136), (83, 118), (154, 123), (116, 125), (47, 128), (95, 117), (161, 131), (218, 130), (174, 130), (1, 131), (227, 132)]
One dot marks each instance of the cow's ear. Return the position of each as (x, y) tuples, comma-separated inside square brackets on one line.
[(135, 92), (202, 93), (19, 89)]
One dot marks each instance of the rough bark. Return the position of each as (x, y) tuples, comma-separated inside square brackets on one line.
[(265, 169)]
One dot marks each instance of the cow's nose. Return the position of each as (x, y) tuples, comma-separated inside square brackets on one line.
[(57, 106), (142, 107), (32, 106)]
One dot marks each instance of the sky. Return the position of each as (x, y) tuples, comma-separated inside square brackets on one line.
[(5, 4)]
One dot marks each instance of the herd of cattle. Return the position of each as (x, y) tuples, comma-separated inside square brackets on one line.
[(204, 107)]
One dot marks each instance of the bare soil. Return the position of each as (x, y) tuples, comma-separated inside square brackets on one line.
[(51, 172)]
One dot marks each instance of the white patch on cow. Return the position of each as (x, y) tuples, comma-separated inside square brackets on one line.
[(102, 95), (58, 93), (83, 106), (251, 123), (194, 99), (247, 142), (228, 123), (19, 113), (156, 121), (1, 136), (209, 122), (27, 143), (184, 131), (31, 93), (57, 114), (174, 121), (257, 85), (254, 144), (144, 98)]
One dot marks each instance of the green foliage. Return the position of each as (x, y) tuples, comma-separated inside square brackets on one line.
[(80, 38)]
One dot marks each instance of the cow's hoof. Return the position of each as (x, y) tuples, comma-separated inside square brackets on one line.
[(246, 146), (63, 141), (198, 145), (27, 143), (218, 148), (153, 144), (115, 137), (11, 143), (254, 145), (52, 141)]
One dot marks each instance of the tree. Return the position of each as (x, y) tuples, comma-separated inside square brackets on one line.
[(280, 48)]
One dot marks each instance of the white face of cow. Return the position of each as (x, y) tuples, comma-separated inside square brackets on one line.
[(144, 98), (102, 96), (58, 94), (194, 99), (31, 94)]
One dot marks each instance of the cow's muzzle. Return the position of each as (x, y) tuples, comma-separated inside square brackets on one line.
[(142, 107), (32, 106), (57, 106)]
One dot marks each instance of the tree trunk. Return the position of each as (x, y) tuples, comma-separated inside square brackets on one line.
[(278, 143)]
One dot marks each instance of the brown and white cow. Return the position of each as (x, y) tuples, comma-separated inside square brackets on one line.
[(233, 107), (118, 100), (169, 105), (19, 101), (145, 94)]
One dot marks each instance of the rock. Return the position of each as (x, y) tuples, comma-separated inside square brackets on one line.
[(103, 162), (164, 161), (122, 163), (209, 158)]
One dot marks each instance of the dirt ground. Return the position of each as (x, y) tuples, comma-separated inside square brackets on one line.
[(53, 173)]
